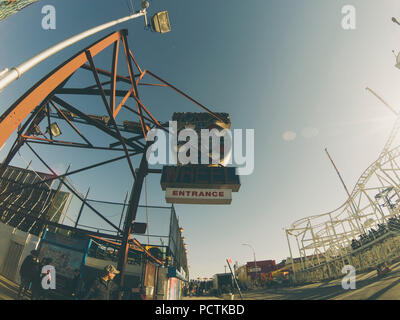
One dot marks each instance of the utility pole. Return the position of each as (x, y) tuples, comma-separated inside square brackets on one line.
[(255, 261), (352, 206), (234, 279)]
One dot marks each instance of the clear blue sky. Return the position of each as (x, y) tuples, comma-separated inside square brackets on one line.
[(274, 66)]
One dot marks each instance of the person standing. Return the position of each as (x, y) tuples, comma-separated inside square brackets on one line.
[(76, 285), (38, 293), (28, 272), (138, 293), (102, 286)]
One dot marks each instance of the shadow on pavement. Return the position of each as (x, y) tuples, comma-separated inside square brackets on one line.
[(382, 291)]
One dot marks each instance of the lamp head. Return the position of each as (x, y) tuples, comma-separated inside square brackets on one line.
[(145, 4), (55, 130), (161, 22)]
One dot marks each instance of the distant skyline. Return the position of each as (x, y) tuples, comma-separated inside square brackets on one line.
[(286, 69)]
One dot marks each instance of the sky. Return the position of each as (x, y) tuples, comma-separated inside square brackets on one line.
[(286, 69)]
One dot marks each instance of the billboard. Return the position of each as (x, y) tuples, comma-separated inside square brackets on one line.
[(200, 176), (64, 260), (198, 196), (176, 246), (67, 254)]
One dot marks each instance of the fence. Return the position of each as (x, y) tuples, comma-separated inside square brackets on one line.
[(385, 249)]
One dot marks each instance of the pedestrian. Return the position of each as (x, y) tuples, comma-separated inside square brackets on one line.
[(28, 272), (76, 286), (44, 293), (102, 286), (38, 293), (138, 293)]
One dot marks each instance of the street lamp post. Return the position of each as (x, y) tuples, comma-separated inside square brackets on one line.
[(7, 76), (254, 255)]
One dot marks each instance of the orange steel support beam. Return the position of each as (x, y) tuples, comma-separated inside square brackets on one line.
[(185, 95), (114, 78), (134, 87), (117, 109), (15, 115)]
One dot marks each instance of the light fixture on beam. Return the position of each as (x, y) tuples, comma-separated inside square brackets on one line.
[(161, 22), (139, 228), (54, 129), (36, 131)]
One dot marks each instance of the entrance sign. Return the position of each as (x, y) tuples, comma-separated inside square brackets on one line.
[(198, 196), (201, 183)]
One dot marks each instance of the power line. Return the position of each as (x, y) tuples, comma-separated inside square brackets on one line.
[(130, 6)]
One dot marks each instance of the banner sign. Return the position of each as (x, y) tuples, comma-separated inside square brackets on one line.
[(201, 120), (198, 196), (173, 273), (71, 243), (200, 176), (67, 254)]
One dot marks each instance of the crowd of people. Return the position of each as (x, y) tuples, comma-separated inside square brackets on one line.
[(393, 224), (31, 276), (102, 288), (197, 288)]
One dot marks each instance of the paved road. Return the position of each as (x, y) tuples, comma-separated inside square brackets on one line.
[(368, 287), (201, 298), (8, 289)]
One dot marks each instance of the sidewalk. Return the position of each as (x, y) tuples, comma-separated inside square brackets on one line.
[(8, 289)]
